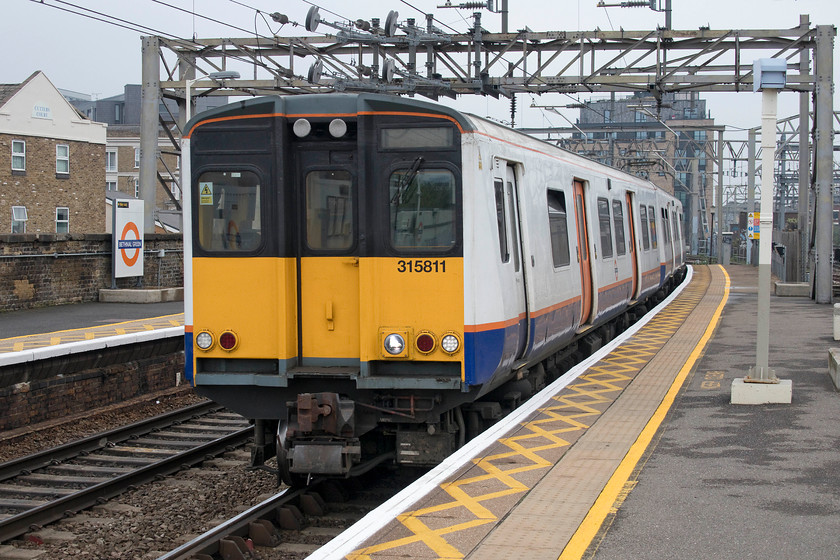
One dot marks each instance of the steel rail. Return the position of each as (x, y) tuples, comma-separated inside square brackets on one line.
[(208, 542), (47, 513), (15, 467)]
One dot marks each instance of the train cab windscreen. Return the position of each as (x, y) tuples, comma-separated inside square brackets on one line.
[(229, 211)]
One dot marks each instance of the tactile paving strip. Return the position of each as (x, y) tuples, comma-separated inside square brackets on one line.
[(20, 343), (452, 522)]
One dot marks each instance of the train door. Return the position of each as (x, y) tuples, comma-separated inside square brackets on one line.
[(515, 302), (583, 253), (328, 264), (634, 253)]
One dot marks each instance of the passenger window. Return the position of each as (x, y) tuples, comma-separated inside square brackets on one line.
[(229, 211), (329, 210), (606, 233), (501, 219), (422, 209), (652, 214), (666, 231), (513, 227), (643, 216), (674, 228), (618, 221), (558, 228)]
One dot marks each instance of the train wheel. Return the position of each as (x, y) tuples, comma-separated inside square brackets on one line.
[(284, 475)]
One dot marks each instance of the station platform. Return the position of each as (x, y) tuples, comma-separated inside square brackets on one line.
[(25, 335), (638, 453)]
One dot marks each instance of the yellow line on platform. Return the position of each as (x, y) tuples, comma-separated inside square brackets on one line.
[(586, 533), (173, 322)]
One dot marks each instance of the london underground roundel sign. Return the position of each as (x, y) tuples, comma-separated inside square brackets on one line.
[(128, 246)]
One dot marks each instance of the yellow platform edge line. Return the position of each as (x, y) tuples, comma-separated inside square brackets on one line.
[(90, 328), (588, 529)]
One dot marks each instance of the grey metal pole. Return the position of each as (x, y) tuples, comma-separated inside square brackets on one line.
[(803, 208), (769, 102), (719, 197), (149, 103), (694, 201), (750, 187), (823, 114)]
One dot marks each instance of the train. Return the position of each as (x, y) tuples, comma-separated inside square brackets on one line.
[(374, 279)]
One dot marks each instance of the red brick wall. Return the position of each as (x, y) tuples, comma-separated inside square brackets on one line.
[(38, 401), (31, 275), (41, 190)]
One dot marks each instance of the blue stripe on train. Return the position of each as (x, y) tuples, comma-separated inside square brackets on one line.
[(188, 358)]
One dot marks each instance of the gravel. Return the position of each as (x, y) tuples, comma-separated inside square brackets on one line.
[(154, 518)]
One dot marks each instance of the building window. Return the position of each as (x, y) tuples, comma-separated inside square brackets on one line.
[(607, 115), (640, 116), (19, 218), (62, 159), (136, 158), (136, 188), (110, 185), (117, 114), (62, 219), (111, 160), (18, 155)]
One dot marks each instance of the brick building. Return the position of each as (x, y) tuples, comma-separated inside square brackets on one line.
[(51, 155), (122, 159)]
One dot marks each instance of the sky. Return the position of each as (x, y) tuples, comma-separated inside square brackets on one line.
[(88, 56)]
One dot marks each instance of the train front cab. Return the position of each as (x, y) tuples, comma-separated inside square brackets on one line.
[(326, 270)]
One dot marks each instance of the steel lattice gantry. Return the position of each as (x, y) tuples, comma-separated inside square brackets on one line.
[(410, 59)]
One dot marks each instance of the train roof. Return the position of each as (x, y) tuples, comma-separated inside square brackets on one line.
[(330, 104)]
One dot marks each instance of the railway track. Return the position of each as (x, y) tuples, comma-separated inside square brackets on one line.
[(43, 487), (297, 521)]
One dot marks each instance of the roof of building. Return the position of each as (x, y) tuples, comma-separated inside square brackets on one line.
[(7, 91)]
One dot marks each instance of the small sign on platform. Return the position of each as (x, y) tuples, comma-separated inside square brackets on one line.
[(753, 225), (128, 239)]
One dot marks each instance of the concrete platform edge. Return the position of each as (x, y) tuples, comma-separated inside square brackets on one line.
[(141, 295)]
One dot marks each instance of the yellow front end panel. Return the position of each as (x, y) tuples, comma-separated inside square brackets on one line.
[(254, 298), (330, 307), (413, 296)]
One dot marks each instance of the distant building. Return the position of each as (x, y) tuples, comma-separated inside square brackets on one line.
[(122, 157), (669, 142), (51, 155)]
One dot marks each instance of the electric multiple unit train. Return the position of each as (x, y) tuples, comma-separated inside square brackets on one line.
[(371, 278)]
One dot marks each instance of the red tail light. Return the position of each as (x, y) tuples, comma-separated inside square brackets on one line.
[(228, 340), (425, 343)]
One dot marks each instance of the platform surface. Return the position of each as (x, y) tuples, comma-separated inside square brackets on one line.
[(642, 456), (63, 324)]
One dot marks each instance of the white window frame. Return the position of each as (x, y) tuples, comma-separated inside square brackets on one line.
[(19, 154), (111, 186), (65, 159), (19, 219), (136, 158), (136, 188), (111, 163), (62, 221)]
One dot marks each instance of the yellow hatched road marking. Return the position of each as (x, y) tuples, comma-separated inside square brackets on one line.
[(620, 485), (89, 336), (55, 340), (18, 346), (588, 396)]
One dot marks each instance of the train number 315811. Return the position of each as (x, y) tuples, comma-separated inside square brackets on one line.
[(421, 266)]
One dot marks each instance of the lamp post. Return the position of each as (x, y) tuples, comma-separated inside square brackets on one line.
[(761, 386), (216, 77)]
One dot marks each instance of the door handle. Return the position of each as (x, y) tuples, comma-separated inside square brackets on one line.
[(330, 320)]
